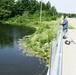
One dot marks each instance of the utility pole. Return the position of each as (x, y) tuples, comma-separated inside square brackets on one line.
[(41, 12)]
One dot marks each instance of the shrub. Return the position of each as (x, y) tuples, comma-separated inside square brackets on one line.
[(43, 40), (70, 27), (54, 18)]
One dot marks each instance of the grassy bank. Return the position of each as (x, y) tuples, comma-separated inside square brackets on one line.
[(38, 43)]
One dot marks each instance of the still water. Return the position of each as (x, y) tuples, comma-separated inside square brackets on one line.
[(12, 61)]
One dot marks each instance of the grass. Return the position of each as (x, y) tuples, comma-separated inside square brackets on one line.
[(71, 27)]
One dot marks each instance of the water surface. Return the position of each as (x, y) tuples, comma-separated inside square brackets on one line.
[(12, 61)]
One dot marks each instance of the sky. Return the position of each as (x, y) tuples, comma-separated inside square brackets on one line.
[(64, 6)]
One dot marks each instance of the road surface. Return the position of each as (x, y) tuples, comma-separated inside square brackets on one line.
[(69, 52)]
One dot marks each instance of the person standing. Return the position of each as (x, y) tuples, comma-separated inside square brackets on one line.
[(65, 27)]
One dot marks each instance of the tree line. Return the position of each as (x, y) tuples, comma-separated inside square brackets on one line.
[(11, 8), (70, 15)]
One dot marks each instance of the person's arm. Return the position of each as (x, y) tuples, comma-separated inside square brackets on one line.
[(64, 22)]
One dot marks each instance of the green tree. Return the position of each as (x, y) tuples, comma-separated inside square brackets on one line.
[(7, 4), (18, 8), (4, 13), (48, 5), (53, 11), (6, 8)]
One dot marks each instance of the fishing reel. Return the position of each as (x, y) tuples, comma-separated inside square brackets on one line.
[(67, 42)]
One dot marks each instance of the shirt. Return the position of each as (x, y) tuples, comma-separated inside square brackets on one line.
[(65, 24)]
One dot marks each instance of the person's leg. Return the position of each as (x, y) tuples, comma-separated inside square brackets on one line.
[(64, 32)]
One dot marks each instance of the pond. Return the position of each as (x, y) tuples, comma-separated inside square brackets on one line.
[(12, 60)]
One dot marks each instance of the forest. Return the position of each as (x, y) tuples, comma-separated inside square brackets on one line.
[(12, 8)]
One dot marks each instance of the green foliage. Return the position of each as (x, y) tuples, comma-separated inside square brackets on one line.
[(67, 14), (53, 11), (48, 5), (71, 27), (6, 6), (4, 13), (54, 18), (13, 8), (44, 13)]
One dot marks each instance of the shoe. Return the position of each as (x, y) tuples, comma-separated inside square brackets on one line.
[(64, 37)]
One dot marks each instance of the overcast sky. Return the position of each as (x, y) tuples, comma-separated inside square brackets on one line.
[(65, 6)]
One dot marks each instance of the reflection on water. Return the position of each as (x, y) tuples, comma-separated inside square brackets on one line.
[(9, 34), (11, 60)]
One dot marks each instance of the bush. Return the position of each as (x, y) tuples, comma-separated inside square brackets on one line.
[(48, 19), (70, 27), (4, 13), (43, 40), (54, 18)]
